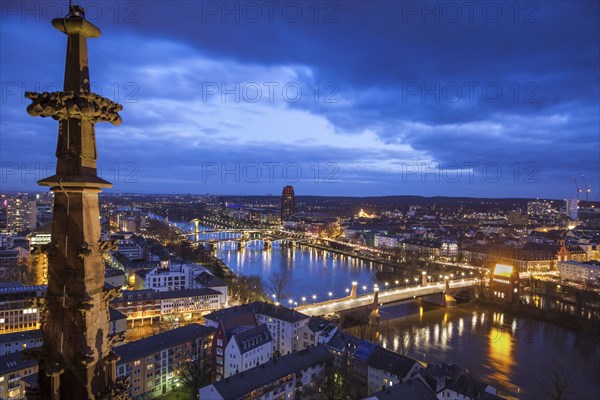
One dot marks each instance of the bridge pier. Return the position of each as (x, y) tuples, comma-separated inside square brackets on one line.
[(441, 299), (353, 292)]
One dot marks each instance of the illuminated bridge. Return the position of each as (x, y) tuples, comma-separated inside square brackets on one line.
[(438, 293)]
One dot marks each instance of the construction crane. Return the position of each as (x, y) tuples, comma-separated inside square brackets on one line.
[(587, 188), (578, 188)]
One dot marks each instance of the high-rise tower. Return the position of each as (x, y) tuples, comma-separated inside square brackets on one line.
[(288, 203), (76, 360)]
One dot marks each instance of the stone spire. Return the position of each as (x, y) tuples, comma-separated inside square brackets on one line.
[(76, 360)]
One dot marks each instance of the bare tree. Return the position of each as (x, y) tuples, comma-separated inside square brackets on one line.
[(277, 284), (556, 381), (195, 371)]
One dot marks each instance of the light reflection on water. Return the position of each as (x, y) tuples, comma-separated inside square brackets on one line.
[(511, 353), (309, 270)]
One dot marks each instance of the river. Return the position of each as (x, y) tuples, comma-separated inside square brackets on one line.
[(514, 354), (309, 271)]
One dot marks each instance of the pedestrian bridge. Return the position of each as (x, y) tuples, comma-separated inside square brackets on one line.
[(353, 301)]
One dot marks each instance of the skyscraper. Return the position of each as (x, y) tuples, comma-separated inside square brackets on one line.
[(571, 208), (288, 203), (76, 360), (20, 212)]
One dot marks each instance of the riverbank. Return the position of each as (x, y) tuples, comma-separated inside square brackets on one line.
[(551, 316)]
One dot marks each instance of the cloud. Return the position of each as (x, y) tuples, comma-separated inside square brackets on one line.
[(367, 93)]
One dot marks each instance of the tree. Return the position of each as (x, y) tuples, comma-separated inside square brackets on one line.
[(195, 372), (277, 284), (334, 384), (556, 381), (246, 288)]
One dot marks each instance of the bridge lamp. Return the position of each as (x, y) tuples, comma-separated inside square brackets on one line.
[(303, 299), (330, 294), (364, 289), (347, 290), (314, 296)]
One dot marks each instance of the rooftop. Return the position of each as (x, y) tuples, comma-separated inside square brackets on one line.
[(15, 362), (238, 385), (24, 335), (413, 389), (387, 360), (162, 341)]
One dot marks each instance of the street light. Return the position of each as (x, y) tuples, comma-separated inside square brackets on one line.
[(303, 299), (290, 301), (347, 290), (364, 289), (406, 280), (314, 296), (386, 286), (396, 282), (330, 294)]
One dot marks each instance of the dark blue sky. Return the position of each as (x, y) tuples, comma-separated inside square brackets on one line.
[(483, 99)]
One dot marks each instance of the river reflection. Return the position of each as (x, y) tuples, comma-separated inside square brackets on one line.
[(514, 354), (309, 271)]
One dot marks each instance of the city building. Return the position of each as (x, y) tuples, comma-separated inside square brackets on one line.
[(225, 321), (572, 209), (19, 341), (206, 280), (582, 272), (18, 311), (247, 347), (413, 389), (288, 203), (284, 323), (539, 208), (14, 367), (293, 376), (318, 330), (148, 305), (160, 279), (175, 277), (449, 381), (115, 277), (9, 264), (504, 283), (386, 368), (154, 365), (387, 241), (20, 212)]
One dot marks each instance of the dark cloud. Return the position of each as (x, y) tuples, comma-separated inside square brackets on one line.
[(410, 82)]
